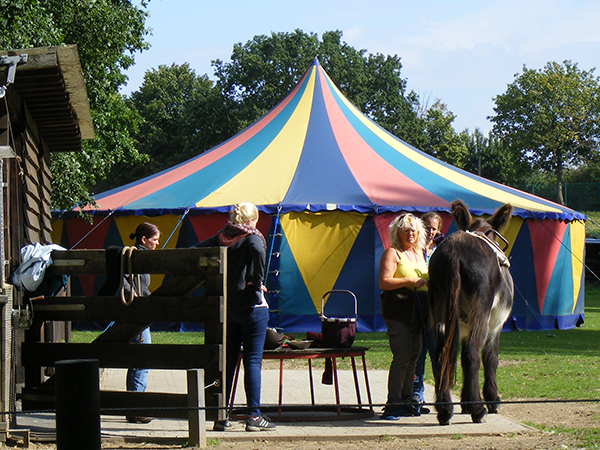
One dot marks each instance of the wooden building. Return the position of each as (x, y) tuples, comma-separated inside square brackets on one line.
[(43, 109)]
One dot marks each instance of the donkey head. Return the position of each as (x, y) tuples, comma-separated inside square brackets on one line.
[(465, 222)]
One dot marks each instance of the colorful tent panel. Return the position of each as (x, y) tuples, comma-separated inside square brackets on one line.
[(328, 181), (315, 142)]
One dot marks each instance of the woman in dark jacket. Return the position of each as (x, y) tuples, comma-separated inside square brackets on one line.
[(146, 237), (247, 308)]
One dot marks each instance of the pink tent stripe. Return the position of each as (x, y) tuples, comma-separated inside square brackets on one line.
[(383, 184), (164, 180)]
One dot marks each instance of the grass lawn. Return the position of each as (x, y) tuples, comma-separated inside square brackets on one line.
[(592, 225), (532, 364), (561, 364)]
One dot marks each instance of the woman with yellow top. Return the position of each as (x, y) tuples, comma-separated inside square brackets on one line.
[(403, 278)]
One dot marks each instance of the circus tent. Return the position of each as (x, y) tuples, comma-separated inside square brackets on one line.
[(328, 181)]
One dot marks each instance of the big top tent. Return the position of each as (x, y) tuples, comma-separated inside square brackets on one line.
[(328, 181)]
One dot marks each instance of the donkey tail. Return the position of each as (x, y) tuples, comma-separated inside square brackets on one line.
[(449, 352)]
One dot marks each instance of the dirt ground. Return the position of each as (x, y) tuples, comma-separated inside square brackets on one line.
[(565, 415)]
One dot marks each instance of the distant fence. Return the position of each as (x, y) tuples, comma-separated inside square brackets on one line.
[(578, 196)]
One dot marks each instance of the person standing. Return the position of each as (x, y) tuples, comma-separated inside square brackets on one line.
[(403, 280), (433, 231), (147, 237), (247, 308)]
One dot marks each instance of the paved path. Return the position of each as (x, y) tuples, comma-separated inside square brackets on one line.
[(296, 391)]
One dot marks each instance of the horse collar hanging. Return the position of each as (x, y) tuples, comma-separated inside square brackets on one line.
[(502, 258)]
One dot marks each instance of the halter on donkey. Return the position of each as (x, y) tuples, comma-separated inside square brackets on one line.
[(471, 296)]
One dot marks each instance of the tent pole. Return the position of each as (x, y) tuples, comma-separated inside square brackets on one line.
[(176, 226)]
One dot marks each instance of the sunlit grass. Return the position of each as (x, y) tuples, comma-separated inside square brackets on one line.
[(532, 364)]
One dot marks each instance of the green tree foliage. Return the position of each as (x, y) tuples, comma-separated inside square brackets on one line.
[(551, 117), (263, 70), (107, 34), (183, 115), (442, 140), (490, 158)]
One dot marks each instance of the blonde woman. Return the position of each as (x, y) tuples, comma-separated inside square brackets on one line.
[(403, 280), (247, 309)]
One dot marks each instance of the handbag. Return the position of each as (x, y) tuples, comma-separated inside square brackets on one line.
[(338, 332), (273, 339)]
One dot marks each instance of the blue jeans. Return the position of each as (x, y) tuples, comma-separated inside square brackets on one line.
[(137, 379), (427, 346), (248, 328)]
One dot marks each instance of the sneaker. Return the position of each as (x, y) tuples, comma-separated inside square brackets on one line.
[(260, 423), (222, 425), (139, 419), (390, 415), (396, 412)]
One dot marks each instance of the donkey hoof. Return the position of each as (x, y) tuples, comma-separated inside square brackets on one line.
[(478, 417), (444, 418), (493, 409)]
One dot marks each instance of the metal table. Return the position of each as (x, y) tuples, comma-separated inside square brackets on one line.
[(341, 412)]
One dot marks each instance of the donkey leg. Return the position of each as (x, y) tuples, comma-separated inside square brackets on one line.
[(490, 364), (443, 397), (471, 397), (443, 403)]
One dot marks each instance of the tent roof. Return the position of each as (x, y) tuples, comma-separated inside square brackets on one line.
[(316, 151)]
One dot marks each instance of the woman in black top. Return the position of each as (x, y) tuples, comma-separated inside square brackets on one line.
[(247, 309)]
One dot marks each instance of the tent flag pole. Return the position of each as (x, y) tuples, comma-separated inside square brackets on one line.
[(90, 232), (176, 226)]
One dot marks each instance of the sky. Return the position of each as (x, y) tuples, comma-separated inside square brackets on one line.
[(463, 52)]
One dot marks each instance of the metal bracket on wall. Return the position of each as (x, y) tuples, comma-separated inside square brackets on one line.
[(11, 62)]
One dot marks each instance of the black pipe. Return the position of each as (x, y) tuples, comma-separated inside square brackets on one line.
[(77, 383)]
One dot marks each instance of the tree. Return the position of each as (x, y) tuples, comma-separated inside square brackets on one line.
[(490, 158), (442, 140), (183, 115), (107, 34), (551, 117), (262, 71)]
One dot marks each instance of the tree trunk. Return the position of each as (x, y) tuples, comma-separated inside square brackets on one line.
[(559, 193)]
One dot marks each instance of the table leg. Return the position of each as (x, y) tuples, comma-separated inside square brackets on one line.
[(234, 385), (337, 386), (367, 382), (356, 387), (280, 386), (310, 379)]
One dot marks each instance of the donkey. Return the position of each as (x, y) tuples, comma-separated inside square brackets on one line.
[(471, 296)]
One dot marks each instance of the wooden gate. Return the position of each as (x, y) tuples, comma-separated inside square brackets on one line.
[(185, 270)]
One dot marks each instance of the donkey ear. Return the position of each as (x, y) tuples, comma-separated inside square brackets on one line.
[(461, 214), (501, 217)]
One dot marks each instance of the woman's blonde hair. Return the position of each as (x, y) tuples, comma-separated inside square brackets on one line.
[(432, 215), (407, 221), (243, 212)]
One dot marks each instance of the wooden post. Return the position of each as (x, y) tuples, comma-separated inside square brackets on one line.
[(196, 403), (77, 404)]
